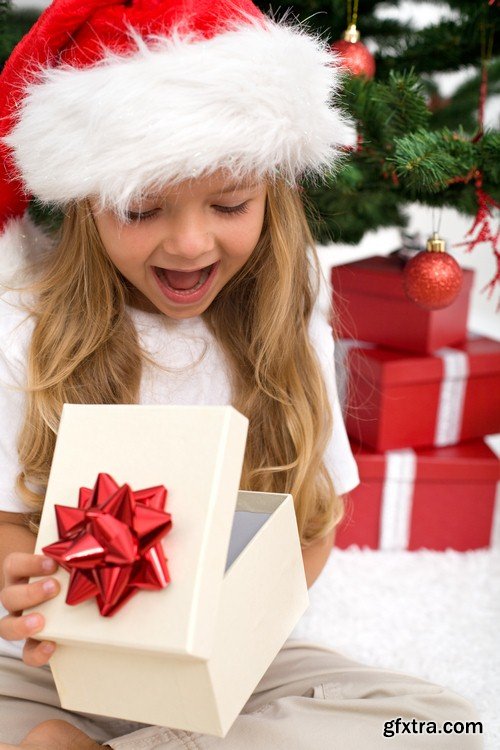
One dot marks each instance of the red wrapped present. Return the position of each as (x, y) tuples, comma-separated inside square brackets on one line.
[(433, 498), (372, 306), (396, 399)]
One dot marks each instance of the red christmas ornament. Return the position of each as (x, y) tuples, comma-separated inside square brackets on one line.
[(354, 56), (111, 544), (432, 278)]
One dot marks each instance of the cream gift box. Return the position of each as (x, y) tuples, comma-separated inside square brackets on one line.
[(190, 655)]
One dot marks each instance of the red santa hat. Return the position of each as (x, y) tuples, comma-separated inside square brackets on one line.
[(116, 98)]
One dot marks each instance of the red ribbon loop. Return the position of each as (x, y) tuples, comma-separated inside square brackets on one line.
[(111, 543)]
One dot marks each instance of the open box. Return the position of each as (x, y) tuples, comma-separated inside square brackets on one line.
[(190, 655)]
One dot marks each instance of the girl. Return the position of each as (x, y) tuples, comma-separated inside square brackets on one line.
[(173, 136)]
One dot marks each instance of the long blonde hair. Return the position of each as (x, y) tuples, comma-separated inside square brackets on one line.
[(84, 349)]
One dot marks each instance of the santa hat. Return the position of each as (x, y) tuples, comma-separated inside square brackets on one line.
[(115, 99)]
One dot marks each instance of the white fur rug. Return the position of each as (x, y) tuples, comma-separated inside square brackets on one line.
[(432, 614)]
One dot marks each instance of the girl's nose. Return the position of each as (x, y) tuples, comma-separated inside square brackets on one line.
[(188, 241)]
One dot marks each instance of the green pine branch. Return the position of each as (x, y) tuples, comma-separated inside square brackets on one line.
[(402, 159), (427, 161)]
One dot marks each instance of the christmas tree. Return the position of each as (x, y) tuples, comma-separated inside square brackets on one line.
[(412, 145)]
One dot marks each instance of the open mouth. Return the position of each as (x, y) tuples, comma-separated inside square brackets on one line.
[(184, 280), (185, 286)]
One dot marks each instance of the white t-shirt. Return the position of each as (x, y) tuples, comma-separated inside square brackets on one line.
[(198, 374)]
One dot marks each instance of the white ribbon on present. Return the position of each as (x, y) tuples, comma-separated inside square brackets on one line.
[(397, 499), (450, 411)]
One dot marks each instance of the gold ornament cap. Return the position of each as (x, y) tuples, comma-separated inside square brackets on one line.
[(351, 34), (435, 244)]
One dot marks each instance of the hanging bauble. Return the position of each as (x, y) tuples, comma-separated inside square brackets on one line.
[(433, 278), (354, 56)]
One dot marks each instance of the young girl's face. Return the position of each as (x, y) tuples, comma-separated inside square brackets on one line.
[(185, 245)]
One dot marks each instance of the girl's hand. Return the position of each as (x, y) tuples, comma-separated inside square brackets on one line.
[(18, 595)]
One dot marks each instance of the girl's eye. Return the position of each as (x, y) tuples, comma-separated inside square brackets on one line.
[(137, 216), (241, 209), (134, 216)]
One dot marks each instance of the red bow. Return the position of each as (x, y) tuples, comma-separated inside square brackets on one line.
[(111, 543)]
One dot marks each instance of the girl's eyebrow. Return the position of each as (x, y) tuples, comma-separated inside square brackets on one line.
[(228, 189), (234, 188)]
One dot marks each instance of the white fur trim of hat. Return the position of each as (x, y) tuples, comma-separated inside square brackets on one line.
[(255, 99)]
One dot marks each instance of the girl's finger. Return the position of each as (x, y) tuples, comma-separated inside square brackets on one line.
[(17, 628), (37, 653), (24, 595), (21, 565)]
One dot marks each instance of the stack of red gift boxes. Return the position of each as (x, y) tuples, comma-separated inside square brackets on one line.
[(421, 395)]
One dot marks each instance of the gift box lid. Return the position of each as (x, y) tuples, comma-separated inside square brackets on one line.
[(197, 453), (481, 355), (379, 276), (471, 461)]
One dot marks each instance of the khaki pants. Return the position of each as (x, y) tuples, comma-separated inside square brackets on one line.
[(310, 698)]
